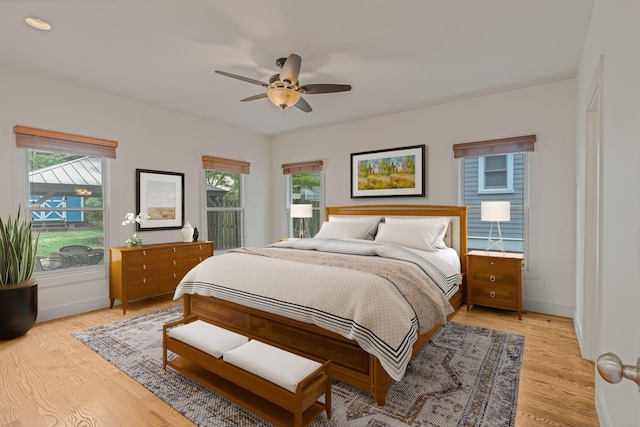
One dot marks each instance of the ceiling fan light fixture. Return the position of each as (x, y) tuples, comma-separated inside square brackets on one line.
[(283, 97)]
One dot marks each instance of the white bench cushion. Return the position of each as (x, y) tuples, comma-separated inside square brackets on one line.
[(209, 338), (271, 363)]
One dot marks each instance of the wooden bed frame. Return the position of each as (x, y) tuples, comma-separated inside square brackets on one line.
[(350, 363)]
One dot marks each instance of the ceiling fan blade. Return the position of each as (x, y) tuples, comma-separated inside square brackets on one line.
[(303, 105), (324, 88), (291, 69), (244, 79), (254, 97)]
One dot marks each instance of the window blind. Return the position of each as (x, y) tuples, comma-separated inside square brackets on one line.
[(289, 168), (229, 165), (517, 144), (49, 140)]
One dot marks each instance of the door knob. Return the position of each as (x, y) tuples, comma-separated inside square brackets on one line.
[(612, 370)]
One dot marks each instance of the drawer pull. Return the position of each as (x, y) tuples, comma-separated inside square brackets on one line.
[(199, 246), (174, 249), (174, 262), (492, 294), (492, 278), (493, 263), (144, 280), (144, 266), (174, 275), (200, 258), (144, 252)]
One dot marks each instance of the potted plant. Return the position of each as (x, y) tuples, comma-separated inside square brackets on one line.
[(18, 291)]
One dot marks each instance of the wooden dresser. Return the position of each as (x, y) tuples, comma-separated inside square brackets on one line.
[(494, 280), (151, 269)]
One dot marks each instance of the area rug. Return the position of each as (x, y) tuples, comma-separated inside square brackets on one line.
[(465, 376)]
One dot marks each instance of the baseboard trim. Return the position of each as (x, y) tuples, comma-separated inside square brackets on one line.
[(57, 312), (548, 308)]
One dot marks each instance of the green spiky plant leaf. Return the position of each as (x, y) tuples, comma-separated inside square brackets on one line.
[(18, 247)]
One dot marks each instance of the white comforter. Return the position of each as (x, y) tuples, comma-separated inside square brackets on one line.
[(379, 302)]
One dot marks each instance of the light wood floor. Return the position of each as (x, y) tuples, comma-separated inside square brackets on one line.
[(48, 378)]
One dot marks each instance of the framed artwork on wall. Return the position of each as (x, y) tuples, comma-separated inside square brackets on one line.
[(160, 195), (394, 172)]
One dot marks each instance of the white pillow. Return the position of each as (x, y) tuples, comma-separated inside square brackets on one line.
[(408, 235), (444, 221), (372, 220), (343, 230)]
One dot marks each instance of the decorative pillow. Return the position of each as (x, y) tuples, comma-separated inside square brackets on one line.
[(414, 236), (443, 222), (343, 230), (372, 220)]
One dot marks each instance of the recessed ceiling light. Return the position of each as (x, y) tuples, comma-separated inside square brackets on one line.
[(38, 24)]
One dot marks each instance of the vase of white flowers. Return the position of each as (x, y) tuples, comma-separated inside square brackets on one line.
[(131, 219)]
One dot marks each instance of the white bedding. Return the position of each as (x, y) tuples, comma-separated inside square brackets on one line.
[(381, 303)]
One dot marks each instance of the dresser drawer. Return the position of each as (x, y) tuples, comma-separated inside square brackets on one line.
[(495, 263), (200, 249), (494, 276), (143, 256), (135, 272), (495, 295), (143, 287), (172, 253)]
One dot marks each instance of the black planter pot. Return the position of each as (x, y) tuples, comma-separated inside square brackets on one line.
[(18, 309)]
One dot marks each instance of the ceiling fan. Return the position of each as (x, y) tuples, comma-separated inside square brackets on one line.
[(284, 89)]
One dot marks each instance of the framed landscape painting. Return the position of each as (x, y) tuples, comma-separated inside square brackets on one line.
[(395, 172), (161, 196)]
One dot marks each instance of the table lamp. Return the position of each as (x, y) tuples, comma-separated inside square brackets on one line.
[(302, 211), (495, 212)]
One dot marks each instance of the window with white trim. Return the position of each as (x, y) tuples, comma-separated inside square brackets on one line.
[(495, 174), (224, 209), (304, 186), (66, 176), (495, 170)]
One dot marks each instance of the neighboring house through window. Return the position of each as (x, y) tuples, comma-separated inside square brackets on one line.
[(67, 185), (224, 202), (304, 186), (495, 170)]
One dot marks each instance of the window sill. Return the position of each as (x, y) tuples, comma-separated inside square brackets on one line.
[(70, 275)]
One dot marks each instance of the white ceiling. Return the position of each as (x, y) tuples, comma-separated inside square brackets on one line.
[(397, 55)]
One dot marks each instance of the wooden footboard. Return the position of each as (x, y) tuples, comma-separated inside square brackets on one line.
[(350, 363)]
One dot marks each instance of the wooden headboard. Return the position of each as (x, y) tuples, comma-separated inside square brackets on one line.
[(458, 236)]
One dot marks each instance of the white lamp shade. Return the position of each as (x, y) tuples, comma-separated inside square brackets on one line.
[(301, 211), (495, 211)]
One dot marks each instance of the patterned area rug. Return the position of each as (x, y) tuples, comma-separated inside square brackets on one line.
[(465, 376)]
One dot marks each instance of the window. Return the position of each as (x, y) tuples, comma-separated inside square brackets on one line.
[(495, 174), (304, 186), (224, 207), (495, 171), (66, 197)]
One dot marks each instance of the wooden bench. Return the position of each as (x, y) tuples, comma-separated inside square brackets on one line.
[(249, 373)]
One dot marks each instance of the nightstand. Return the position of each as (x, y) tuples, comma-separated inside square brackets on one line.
[(494, 280)]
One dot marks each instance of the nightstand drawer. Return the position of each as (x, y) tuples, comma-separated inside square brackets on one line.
[(494, 276), (497, 295), (495, 262)]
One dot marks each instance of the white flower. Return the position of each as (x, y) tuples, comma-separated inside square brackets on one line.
[(130, 218)]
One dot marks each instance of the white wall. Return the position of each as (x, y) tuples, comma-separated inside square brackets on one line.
[(546, 110), (614, 34), (149, 138)]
